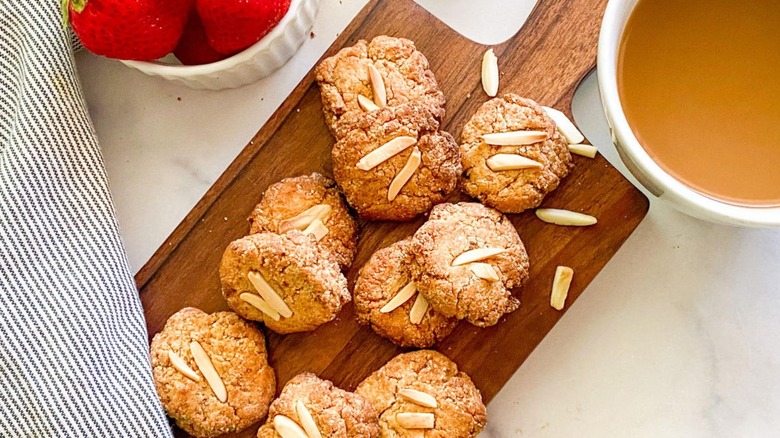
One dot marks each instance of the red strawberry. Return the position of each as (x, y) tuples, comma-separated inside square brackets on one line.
[(193, 48), (234, 25), (128, 29)]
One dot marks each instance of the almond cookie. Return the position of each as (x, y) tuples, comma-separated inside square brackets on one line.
[(311, 407), (312, 204), (286, 281), (421, 394), (400, 74), (395, 165), (513, 154), (211, 372), (467, 259), (386, 299)]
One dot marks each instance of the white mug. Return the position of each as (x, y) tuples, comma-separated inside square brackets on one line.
[(640, 164)]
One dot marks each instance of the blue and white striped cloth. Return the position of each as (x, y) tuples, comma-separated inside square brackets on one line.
[(74, 357)]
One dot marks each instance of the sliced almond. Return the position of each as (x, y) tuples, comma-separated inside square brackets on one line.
[(560, 287), (415, 420), (503, 162), (287, 428), (565, 126), (317, 228), (385, 152), (378, 84), (514, 138), (367, 104), (304, 219), (565, 217), (585, 150), (260, 304), (476, 255), (419, 308), (418, 397), (203, 361), (401, 297), (416, 433), (307, 421), (269, 294), (490, 73), (405, 174), (484, 271), (182, 367)]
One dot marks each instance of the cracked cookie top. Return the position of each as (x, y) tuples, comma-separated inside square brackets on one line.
[(380, 280), (370, 190), (335, 413), (299, 272), (290, 197), (235, 349), (425, 375), (458, 289), (512, 190), (405, 75)]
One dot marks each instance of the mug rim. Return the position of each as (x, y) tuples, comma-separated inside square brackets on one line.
[(649, 173)]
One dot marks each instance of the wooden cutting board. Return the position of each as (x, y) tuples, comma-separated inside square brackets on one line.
[(545, 61)]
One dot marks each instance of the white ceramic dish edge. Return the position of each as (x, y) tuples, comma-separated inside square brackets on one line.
[(638, 162), (257, 61)]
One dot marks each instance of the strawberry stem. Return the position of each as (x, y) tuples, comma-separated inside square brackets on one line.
[(67, 5), (65, 11), (78, 5)]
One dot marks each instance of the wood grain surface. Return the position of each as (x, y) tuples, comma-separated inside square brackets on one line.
[(545, 61)]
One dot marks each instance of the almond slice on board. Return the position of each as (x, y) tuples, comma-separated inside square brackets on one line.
[(203, 361), (287, 428), (378, 84), (484, 271), (182, 367), (565, 217), (307, 421), (560, 287), (401, 297), (405, 174), (419, 308), (514, 138), (476, 255), (304, 219), (260, 304), (585, 150), (269, 294), (317, 228), (415, 420), (490, 73), (503, 162), (385, 152), (367, 104), (418, 397), (565, 126)]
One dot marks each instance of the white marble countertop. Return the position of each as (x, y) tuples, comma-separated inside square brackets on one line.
[(676, 337)]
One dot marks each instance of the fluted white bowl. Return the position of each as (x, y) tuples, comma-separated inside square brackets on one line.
[(253, 63)]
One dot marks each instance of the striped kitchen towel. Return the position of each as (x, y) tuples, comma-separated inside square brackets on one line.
[(74, 357)]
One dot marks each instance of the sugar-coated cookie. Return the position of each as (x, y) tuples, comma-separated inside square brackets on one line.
[(287, 281), (211, 372)]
